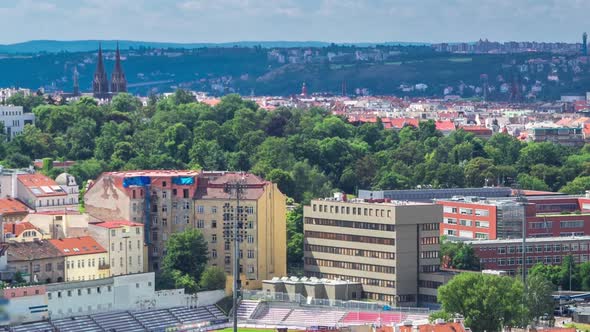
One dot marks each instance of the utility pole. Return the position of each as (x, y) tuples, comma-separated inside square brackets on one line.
[(235, 188)]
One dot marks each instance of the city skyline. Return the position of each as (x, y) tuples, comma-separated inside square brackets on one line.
[(327, 20)]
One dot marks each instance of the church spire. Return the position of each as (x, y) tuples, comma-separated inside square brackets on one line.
[(100, 83), (118, 80), (76, 83)]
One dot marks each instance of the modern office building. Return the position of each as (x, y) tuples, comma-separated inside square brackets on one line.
[(506, 255), (501, 218), (391, 247), (427, 194)]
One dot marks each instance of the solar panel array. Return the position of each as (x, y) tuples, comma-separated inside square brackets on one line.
[(152, 320)]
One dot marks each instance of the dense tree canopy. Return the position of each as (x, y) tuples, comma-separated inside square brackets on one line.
[(488, 302), (308, 153)]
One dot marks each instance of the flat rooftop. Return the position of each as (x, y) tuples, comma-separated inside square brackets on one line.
[(385, 202), (532, 240)]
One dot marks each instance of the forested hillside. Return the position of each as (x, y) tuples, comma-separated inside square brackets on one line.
[(308, 153)]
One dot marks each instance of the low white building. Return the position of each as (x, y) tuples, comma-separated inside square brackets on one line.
[(14, 120), (121, 293)]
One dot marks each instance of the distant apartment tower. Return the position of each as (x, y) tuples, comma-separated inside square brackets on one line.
[(14, 119), (391, 247), (167, 202)]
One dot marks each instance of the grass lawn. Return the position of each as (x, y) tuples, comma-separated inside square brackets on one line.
[(579, 326)]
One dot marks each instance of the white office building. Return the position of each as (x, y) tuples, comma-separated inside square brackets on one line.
[(14, 120)]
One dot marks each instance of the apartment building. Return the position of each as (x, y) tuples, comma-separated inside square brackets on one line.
[(507, 254), (42, 193), (500, 218), (124, 242), (161, 200), (22, 232), (166, 202), (262, 225), (84, 258), (14, 120), (37, 261), (391, 247), (13, 210)]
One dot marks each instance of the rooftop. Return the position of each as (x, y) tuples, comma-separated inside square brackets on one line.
[(384, 201), (117, 224), (19, 251), (154, 173), (11, 205), (41, 185), (532, 240), (78, 246), (18, 228)]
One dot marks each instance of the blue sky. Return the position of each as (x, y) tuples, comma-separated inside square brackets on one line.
[(322, 20)]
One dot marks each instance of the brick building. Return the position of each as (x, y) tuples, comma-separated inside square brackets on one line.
[(500, 218), (167, 202), (507, 254)]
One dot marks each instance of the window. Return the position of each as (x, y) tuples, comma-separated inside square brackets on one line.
[(483, 213), (214, 238), (200, 209), (451, 221), (571, 224), (213, 224), (464, 222), (137, 230), (200, 223), (213, 253), (214, 209), (113, 232), (250, 239), (48, 267), (482, 224), (185, 193), (163, 183), (250, 253), (164, 208), (164, 194)]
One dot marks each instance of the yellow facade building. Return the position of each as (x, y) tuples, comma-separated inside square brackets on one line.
[(85, 259)]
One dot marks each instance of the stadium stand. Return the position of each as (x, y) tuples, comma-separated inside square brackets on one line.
[(246, 309), (372, 317), (127, 321), (271, 315), (311, 317)]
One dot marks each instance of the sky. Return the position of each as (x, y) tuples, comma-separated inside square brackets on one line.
[(294, 20)]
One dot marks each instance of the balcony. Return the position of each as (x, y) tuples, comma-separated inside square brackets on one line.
[(104, 266)]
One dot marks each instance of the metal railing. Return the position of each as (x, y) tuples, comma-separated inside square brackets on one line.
[(335, 304)]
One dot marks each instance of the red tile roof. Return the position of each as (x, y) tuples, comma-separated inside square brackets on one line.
[(78, 246), (11, 205), (41, 185), (446, 327), (117, 224), (445, 125), (17, 228)]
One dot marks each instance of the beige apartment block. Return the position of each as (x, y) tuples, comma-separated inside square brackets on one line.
[(388, 246), (124, 242)]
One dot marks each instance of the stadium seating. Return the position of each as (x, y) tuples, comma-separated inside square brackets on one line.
[(270, 315), (246, 309), (311, 317), (127, 321), (372, 317)]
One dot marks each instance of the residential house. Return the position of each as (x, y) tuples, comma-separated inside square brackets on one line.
[(12, 210), (23, 232), (38, 261), (85, 259), (124, 242)]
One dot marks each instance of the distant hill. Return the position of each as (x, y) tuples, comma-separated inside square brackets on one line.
[(55, 46)]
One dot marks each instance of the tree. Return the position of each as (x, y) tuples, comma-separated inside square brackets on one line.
[(213, 278), (295, 236), (488, 302), (538, 297), (185, 259), (578, 186), (284, 181), (458, 255), (125, 103)]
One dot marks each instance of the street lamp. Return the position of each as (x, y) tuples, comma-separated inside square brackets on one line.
[(235, 188)]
